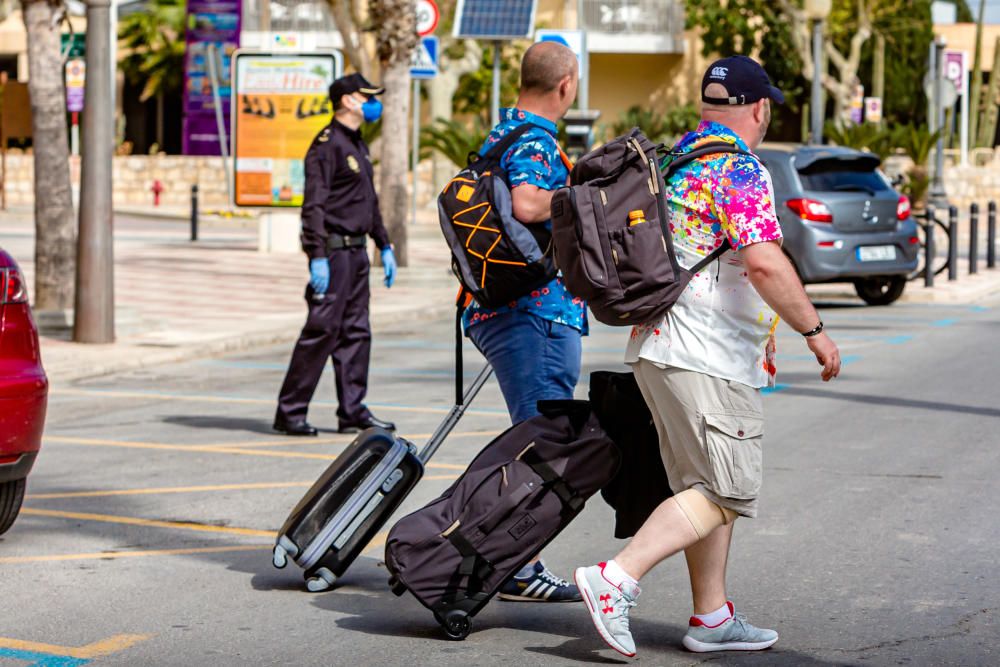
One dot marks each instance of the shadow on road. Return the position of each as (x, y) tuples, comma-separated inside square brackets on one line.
[(219, 423), (870, 399)]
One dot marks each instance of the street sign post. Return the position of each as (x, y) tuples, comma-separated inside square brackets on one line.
[(76, 72), (423, 65), (956, 70), (873, 110)]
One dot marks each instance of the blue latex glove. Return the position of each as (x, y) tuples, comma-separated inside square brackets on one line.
[(389, 264), (319, 274)]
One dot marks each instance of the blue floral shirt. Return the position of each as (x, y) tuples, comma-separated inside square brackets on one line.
[(534, 159)]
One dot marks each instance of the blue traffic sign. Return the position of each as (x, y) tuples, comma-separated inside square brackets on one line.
[(424, 62)]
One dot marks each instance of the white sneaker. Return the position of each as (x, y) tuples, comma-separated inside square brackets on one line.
[(733, 634), (609, 606)]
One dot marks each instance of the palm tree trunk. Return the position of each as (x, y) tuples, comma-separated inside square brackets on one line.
[(396, 21), (55, 231)]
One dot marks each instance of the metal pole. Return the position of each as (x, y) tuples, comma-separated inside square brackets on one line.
[(952, 243), (213, 75), (991, 235), (497, 47), (937, 187), (816, 104), (929, 249), (194, 212), (415, 160), (974, 238), (94, 320)]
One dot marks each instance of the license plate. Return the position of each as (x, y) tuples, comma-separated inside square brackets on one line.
[(877, 253)]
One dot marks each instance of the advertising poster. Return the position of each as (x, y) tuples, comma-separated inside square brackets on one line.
[(281, 103), (209, 22)]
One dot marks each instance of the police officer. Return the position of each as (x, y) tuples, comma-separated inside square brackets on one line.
[(339, 211)]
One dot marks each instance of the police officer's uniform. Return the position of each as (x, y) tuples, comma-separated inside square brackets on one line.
[(339, 211)]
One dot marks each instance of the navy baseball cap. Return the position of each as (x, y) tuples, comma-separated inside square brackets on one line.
[(353, 83), (744, 79)]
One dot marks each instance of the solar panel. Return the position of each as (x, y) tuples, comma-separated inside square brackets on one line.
[(495, 19)]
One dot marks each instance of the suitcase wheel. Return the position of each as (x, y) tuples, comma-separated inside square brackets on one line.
[(396, 587), (322, 581), (280, 557), (457, 624)]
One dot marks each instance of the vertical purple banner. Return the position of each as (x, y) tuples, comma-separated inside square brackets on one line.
[(208, 22)]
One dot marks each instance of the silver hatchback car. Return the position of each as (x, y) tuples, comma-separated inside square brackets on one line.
[(842, 220)]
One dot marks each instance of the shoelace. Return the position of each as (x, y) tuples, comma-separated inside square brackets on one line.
[(553, 579), (623, 617)]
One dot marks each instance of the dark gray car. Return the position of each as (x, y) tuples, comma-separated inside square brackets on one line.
[(842, 220)]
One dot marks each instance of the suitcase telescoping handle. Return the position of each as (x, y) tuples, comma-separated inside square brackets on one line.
[(463, 397)]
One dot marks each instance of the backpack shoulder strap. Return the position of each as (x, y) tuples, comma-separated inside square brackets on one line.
[(498, 149), (711, 148)]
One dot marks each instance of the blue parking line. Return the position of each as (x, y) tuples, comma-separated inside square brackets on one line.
[(898, 340), (945, 322), (35, 659), (776, 388)]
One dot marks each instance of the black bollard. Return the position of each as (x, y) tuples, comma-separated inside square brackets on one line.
[(974, 238), (194, 212), (929, 249), (991, 235), (952, 243)]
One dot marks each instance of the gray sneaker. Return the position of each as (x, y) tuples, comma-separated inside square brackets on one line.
[(733, 634), (609, 606)]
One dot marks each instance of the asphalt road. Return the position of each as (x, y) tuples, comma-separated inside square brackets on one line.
[(145, 537)]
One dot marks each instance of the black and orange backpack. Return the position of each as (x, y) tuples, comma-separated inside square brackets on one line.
[(495, 257)]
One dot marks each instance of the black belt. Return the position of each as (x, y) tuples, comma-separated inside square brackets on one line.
[(340, 242)]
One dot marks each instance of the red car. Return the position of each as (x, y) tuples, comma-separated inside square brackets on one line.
[(23, 390)]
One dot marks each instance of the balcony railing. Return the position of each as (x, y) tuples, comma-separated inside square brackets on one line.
[(634, 26)]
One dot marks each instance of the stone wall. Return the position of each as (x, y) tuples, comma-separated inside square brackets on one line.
[(980, 183), (133, 180)]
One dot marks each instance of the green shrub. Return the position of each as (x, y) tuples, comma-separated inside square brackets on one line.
[(453, 139)]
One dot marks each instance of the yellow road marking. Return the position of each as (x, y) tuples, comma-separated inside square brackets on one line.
[(189, 489), (93, 650), (212, 449), (114, 555), (204, 398), (152, 523), (295, 442)]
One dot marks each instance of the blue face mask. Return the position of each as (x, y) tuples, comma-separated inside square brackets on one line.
[(372, 110)]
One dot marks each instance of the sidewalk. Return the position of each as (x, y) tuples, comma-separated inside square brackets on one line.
[(176, 300)]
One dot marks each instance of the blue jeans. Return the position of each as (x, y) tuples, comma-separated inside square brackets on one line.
[(533, 359)]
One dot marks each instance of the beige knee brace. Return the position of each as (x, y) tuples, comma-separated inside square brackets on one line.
[(704, 515)]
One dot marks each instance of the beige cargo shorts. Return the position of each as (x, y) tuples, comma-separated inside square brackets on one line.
[(710, 433)]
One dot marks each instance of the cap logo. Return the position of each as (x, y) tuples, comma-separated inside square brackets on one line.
[(719, 73)]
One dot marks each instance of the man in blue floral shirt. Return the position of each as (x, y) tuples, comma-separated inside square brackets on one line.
[(534, 343)]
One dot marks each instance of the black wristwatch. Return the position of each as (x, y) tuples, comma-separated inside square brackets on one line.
[(815, 332)]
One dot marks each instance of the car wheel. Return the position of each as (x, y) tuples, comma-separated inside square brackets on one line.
[(880, 291), (11, 495)]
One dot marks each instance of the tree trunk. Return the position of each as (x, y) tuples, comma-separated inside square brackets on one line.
[(55, 231), (396, 37), (441, 93), (159, 123), (393, 197)]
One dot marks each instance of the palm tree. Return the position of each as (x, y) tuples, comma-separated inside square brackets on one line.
[(154, 41), (55, 231)]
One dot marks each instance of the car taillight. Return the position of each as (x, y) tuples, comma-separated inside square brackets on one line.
[(903, 208), (810, 210), (14, 290)]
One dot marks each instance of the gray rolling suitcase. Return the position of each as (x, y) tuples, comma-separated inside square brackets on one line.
[(354, 498)]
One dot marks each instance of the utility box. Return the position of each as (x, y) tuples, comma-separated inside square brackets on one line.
[(579, 131)]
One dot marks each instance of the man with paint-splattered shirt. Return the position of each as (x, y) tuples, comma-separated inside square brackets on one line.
[(701, 368)]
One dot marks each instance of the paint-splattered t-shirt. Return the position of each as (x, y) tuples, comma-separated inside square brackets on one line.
[(534, 159), (720, 325)]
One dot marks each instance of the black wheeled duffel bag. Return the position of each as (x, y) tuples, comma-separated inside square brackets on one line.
[(518, 493)]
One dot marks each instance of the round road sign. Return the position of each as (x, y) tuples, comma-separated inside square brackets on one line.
[(428, 16)]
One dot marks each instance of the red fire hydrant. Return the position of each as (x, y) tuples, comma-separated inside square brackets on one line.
[(156, 189)]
